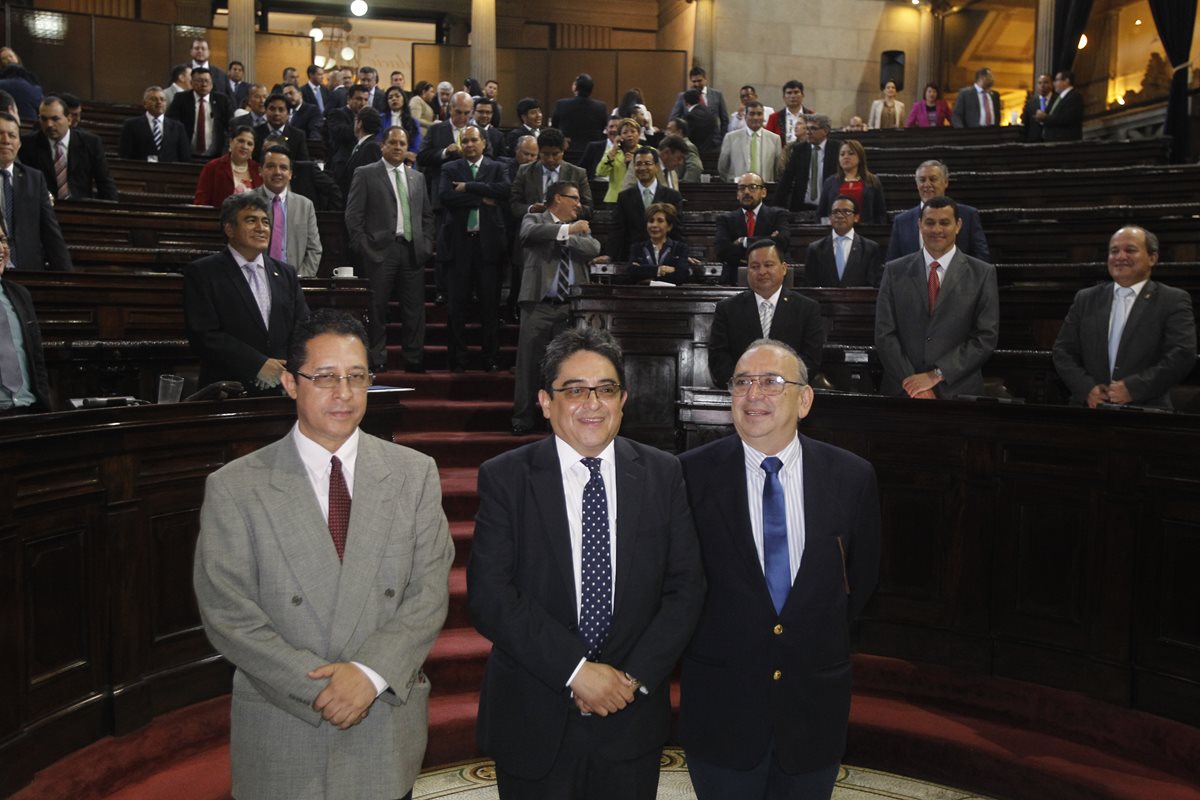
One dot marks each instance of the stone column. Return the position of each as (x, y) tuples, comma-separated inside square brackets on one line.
[(702, 50), (927, 56), (1043, 43), (483, 40), (241, 34)]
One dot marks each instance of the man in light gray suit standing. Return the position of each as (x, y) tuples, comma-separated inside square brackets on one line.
[(390, 221), (751, 149), (937, 316), (321, 575), (558, 248), (294, 236)]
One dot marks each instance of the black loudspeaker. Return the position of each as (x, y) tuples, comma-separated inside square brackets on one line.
[(891, 68)]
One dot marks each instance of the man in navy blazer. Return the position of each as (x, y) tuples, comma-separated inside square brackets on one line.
[(734, 234), (473, 190), (34, 239), (712, 101), (738, 320), (789, 536), (863, 265), (630, 226), (933, 179), (314, 91), (1154, 333), (137, 133), (87, 173), (580, 118), (241, 336), (575, 703), (933, 335)]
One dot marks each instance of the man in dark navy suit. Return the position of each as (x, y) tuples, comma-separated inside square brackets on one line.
[(739, 320), (754, 220), (240, 305), (35, 240), (580, 118), (933, 178), (85, 171), (1063, 121), (844, 257), (137, 134), (789, 536), (587, 607), (473, 191)]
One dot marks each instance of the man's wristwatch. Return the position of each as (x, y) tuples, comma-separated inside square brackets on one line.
[(937, 371)]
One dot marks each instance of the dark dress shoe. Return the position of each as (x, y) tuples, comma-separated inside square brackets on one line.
[(490, 365), (521, 430), (414, 366), (439, 299)]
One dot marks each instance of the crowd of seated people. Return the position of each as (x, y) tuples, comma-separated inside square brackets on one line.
[(451, 138)]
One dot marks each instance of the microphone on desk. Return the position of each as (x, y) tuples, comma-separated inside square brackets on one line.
[(218, 390)]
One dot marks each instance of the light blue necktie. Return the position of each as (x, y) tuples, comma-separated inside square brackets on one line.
[(839, 255), (1120, 314), (776, 566)]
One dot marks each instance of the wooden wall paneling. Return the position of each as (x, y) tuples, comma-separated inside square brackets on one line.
[(523, 73), (659, 74), (274, 51), (130, 55), (56, 45), (564, 64)]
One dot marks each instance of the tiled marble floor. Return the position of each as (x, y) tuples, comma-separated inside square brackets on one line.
[(476, 781)]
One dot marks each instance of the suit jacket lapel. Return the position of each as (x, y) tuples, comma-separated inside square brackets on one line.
[(631, 482), (853, 274), (918, 280), (235, 275), (1137, 312), (303, 534), (546, 490), (370, 510), (734, 505), (955, 275)]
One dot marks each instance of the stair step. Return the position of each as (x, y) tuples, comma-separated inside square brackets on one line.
[(459, 500), (461, 449), (452, 727), (483, 415), (459, 615), (457, 660), (463, 386), (437, 357)]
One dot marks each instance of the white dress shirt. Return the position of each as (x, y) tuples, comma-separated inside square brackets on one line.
[(392, 173), (1129, 301), (574, 477), (943, 264), (791, 479), (317, 465)]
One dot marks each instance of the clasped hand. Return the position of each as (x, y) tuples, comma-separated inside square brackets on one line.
[(347, 698), (601, 690)]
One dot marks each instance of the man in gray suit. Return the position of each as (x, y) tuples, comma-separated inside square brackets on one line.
[(321, 575), (1131, 340), (296, 240), (390, 221), (937, 317), (558, 247)]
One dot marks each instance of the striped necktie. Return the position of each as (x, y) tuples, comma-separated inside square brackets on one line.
[(60, 171), (157, 134)]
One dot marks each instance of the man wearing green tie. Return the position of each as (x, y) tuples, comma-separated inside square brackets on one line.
[(472, 191), (752, 149), (390, 220)]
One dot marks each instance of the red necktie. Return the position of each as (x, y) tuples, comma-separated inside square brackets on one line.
[(704, 99), (201, 124), (934, 285), (749, 224), (339, 507)]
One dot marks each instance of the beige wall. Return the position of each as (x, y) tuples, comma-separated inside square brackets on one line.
[(832, 47)]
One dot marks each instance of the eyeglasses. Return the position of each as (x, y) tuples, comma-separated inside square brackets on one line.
[(752, 187), (328, 380), (577, 394), (768, 385), (841, 212)]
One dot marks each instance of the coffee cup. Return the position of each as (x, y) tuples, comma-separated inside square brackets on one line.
[(343, 272)]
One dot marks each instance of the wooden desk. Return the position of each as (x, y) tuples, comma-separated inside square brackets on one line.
[(109, 334)]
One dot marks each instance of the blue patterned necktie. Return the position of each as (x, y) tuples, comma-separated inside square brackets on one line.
[(776, 566), (261, 291), (595, 610)]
